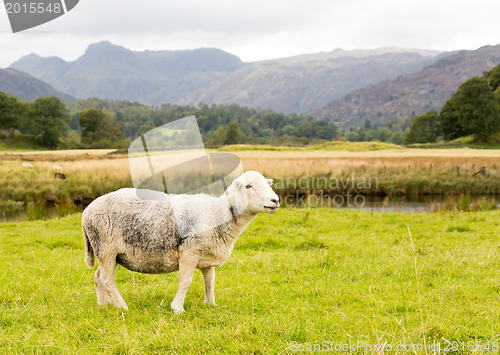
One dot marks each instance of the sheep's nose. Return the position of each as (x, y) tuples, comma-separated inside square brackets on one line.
[(273, 200)]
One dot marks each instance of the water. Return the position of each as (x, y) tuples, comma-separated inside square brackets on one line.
[(425, 204), (416, 204)]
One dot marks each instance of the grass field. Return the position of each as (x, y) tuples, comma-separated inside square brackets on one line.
[(468, 142), (35, 193), (297, 277)]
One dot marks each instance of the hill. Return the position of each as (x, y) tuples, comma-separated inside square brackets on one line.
[(305, 85), (214, 76), (410, 94), (25, 86), (150, 77), (354, 53)]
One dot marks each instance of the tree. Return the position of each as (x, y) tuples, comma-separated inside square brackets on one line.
[(8, 117), (145, 128), (473, 109), (493, 77), (233, 134), (397, 138), (289, 130), (73, 140), (74, 124), (11, 112), (100, 129), (424, 129), (448, 120), (219, 136), (49, 120), (383, 134), (366, 135), (352, 136)]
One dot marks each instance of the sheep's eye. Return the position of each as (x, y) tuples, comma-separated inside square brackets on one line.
[(248, 187)]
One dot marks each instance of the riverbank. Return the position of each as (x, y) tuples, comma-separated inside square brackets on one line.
[(39, 184)]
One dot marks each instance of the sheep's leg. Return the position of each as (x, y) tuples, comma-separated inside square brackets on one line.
[(186, 271), (99, 288), (209, 278), (108, 279)]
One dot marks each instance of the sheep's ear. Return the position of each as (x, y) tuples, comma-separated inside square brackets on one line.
[(270, 181), (238, 184)]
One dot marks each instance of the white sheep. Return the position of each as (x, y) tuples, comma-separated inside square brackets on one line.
[(142, 234), (27, 165), (57, 167)]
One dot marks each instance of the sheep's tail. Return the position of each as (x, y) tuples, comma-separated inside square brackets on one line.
[(89, 251)]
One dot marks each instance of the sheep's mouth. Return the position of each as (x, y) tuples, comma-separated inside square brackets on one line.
[(271, 208)]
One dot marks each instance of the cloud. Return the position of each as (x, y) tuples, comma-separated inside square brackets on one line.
[(128, 17), (259, 29)]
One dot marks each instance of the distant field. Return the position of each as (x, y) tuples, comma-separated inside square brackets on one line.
[(327, 146), (297, 278), (295, 163), (346, 150), (397, 172), (74, 152)]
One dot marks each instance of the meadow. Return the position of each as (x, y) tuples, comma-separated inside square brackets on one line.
[(298, 279), (329, 169)]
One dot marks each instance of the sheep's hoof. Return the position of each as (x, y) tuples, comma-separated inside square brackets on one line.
[(178, 310), (210, 303)]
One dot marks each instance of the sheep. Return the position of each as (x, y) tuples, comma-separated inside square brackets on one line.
[(138, 229), (59, 176), (27, 165), (57, 167)]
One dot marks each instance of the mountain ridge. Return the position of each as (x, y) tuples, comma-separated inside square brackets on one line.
[(25, 86), (410, 94), (213, 76), (355, 53), (303, 86)]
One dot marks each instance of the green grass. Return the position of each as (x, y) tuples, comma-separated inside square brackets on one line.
[(462, 142), (300, 275), (327, 146), (19, 142)]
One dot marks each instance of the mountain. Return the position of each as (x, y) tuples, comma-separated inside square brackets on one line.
[(355, 53), (410, 94), (23, 85), (208, 75), (304, 85), (150, 77)]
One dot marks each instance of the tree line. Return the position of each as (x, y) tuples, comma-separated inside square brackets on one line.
[(46, 118), (101, 123), (98, 123), (235, 124), (219, 124)]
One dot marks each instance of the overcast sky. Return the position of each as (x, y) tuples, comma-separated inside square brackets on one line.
[(258, 29)]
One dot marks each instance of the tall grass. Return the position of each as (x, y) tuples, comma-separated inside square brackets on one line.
[(35, 192), (382, 176), (85, 179), (400, 172)]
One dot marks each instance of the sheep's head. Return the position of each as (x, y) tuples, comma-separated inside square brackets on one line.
[(252, 192)]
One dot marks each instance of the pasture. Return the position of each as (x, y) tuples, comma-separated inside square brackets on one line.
[(26, 193), (298, 278)]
